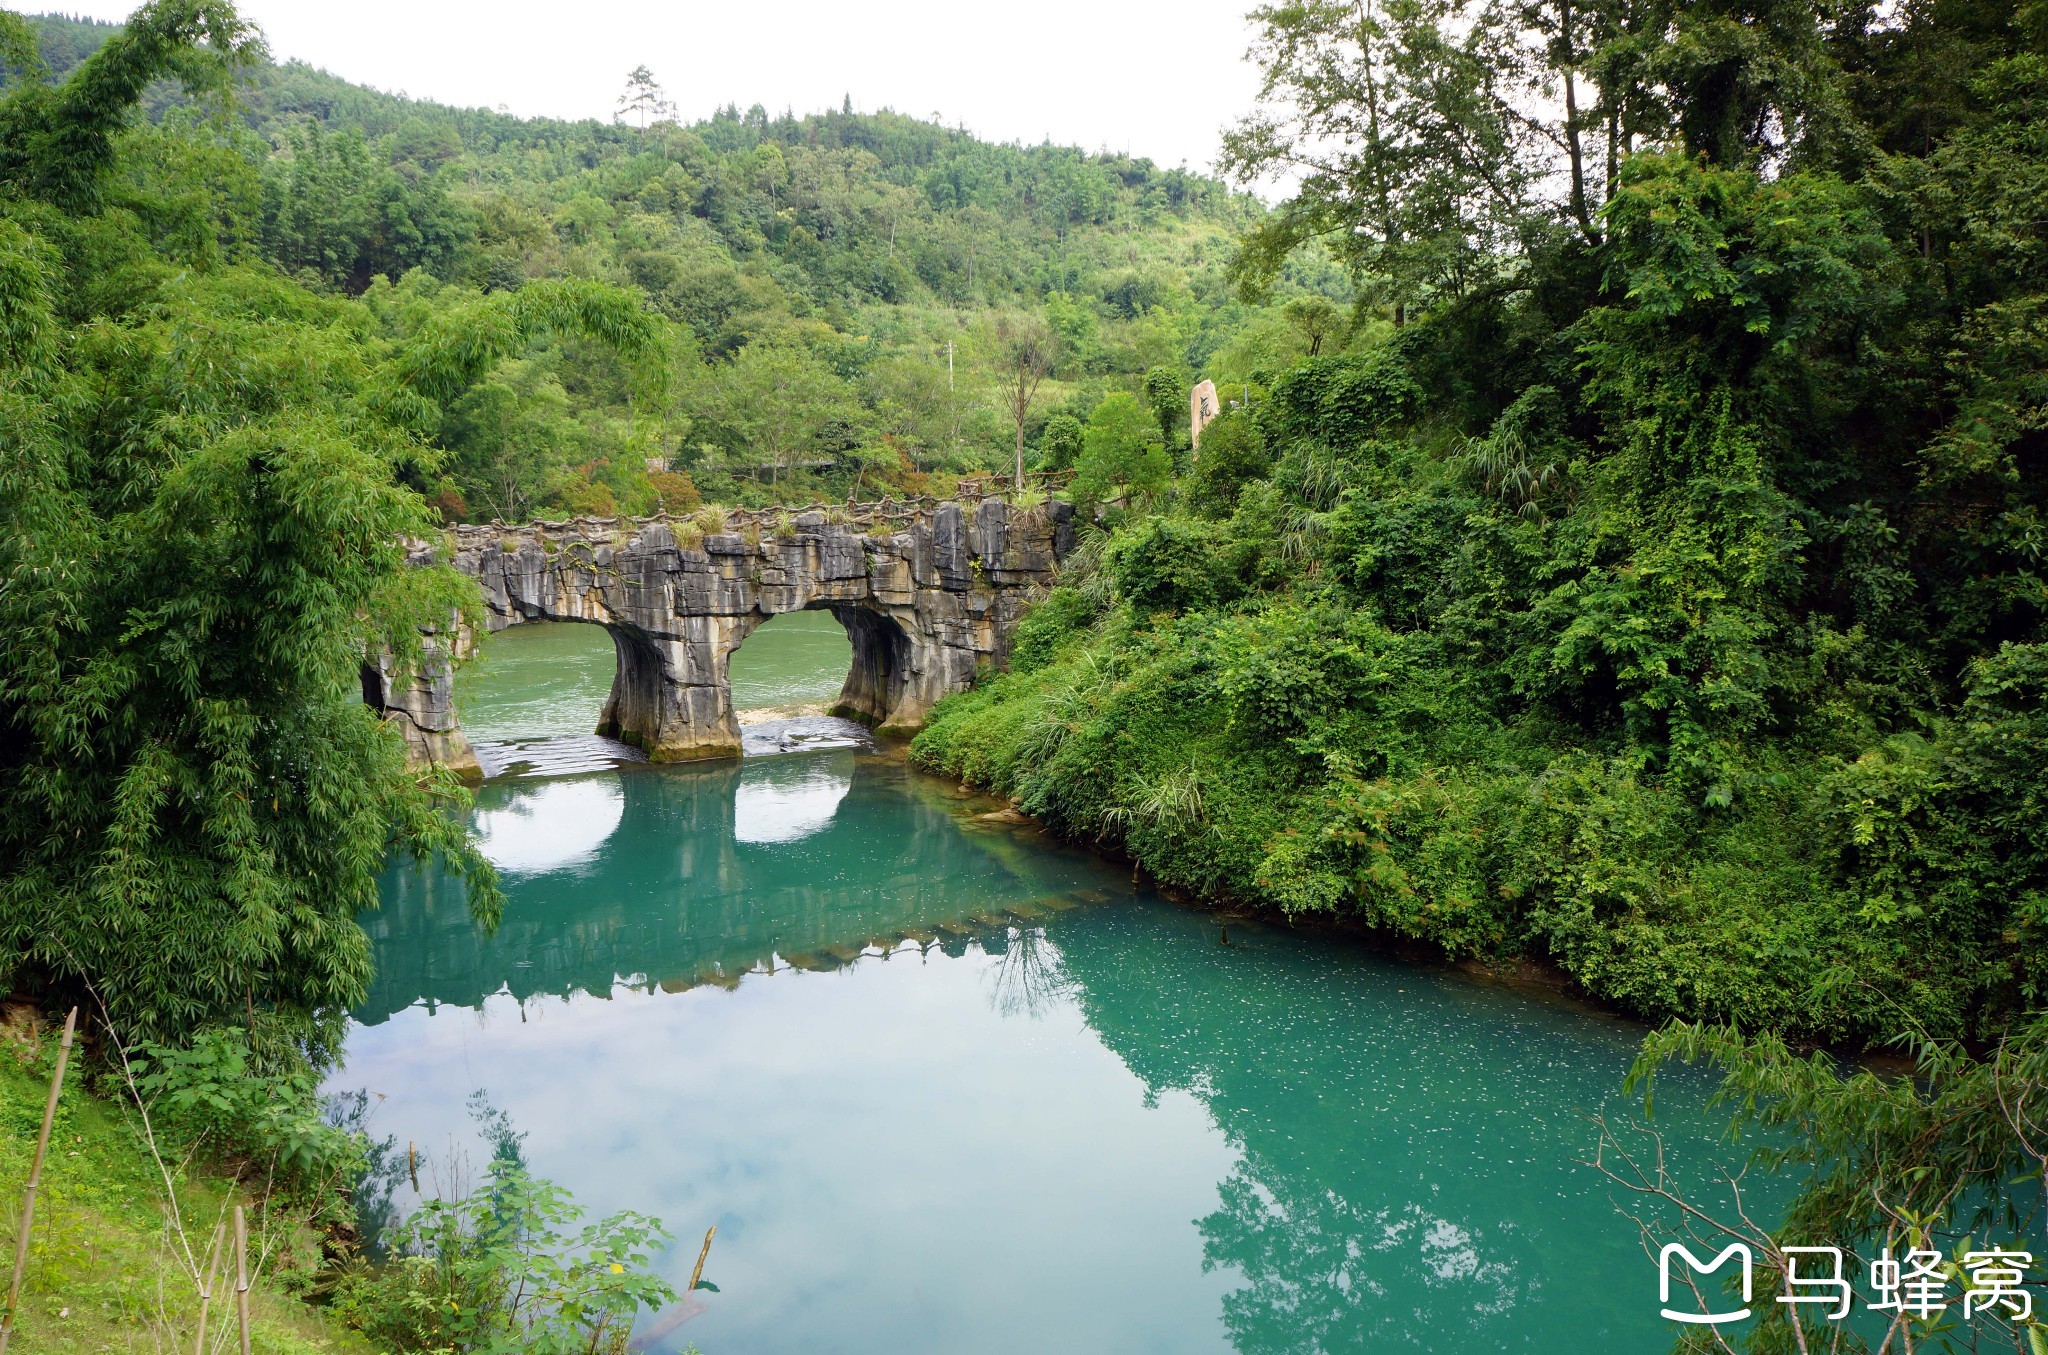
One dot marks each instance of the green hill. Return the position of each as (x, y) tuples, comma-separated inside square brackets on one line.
[(835, 281)]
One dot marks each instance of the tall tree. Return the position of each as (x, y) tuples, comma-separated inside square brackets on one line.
[(1025, 348), (785, 406), (57, 141), (644, 100)]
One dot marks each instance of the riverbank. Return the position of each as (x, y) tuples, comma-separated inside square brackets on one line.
[(105, 1269), (1530, 975), (1421, 820)]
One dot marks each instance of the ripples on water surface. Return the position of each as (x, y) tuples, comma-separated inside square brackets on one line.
[(944, 1085)]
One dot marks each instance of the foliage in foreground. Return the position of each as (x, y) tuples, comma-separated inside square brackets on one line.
[(206, 484), (504, 1269), (1673, 613), (111, 1257), (1947, 1160)]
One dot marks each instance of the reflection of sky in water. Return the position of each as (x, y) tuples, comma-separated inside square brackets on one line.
[(1113, 1134), (893, 1165), (788, 799), (554, 825)]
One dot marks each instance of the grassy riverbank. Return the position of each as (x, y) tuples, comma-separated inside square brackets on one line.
[(104, 1269), (1330, 672)]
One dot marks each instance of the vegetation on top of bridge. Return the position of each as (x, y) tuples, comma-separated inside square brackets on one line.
[(780, 519)]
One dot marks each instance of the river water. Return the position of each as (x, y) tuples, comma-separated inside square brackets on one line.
[(946, 1085)]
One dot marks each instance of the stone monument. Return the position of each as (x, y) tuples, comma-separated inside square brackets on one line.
[(1202, 407)]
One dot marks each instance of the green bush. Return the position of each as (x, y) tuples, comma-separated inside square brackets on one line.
[(1170, 564), (1232, 454), (212, 1094), (1049, 627), (503, 1270)]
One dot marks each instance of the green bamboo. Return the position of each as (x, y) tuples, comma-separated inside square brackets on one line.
[(35, 1180)]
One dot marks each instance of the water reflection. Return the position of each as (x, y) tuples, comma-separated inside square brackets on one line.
[(549, 826), (1027, 1107), (788, 799), (688, 876)]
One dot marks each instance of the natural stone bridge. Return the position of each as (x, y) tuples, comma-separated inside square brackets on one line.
[(928, 592)]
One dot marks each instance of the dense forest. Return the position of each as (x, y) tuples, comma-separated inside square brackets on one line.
[(1621, 548), (1651, 585), (846, 294)]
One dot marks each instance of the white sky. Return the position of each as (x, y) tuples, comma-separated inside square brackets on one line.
[(1158, 78)]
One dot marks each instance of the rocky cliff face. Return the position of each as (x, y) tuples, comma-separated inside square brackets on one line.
[(928, 595), (423, 704)]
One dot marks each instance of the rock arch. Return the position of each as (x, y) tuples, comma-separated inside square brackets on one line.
[(928, 595)]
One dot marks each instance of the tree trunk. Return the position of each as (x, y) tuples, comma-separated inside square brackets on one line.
[(1613, 146), (1569, 55)]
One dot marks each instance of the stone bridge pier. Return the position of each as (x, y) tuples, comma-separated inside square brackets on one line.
[(928, 595)]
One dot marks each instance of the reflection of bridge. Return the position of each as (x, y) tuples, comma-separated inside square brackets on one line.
[(928, 592), (806, 861)]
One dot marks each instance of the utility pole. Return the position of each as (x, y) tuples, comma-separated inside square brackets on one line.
[(952, 402)]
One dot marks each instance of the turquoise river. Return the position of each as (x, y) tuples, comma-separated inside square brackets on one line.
[(944, 1084)]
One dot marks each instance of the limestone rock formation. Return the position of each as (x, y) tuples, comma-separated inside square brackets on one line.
[(422, 703), (1202, 408), (928, 596)]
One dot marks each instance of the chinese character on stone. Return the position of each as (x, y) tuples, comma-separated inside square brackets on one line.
[(1997, 1280), (1914, 1288)]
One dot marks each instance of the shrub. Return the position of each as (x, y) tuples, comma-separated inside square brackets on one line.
[(1047, 628), (1231, 456), (213, 1095), (501, 1271), (1170, 564)]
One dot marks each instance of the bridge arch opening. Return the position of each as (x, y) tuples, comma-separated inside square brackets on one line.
[(538, 680), (832, 658), (879, 671), (791, 664)]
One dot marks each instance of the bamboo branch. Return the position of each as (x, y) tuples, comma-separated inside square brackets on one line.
[(220, 1234), (242, 1275), (35, 1181)]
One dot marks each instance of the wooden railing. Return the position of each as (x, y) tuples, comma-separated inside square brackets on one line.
[(886, 511)]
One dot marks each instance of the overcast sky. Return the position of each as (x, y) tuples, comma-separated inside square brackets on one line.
[(1151, 77)]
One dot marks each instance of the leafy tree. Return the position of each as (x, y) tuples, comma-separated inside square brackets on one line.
[(1121, 456), (1408, 149), (196, 802), (1166, 392), (57, 141), (1316, 319), (1025, 349), (1232, 455), (1059, 442), (205, 502), (785, 406), (644, 100), (336, 211)]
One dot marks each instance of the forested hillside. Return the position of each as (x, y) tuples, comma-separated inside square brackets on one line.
[(1664, 597), (1623, 547), (849, 294)]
